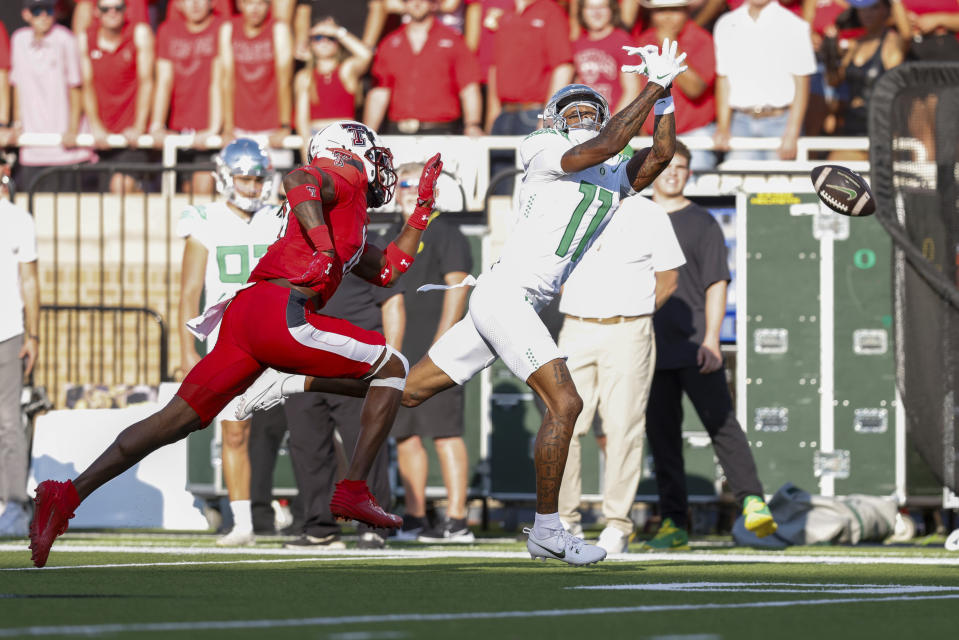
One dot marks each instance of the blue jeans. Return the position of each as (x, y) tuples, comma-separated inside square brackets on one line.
[(746, 126), (702, 159)]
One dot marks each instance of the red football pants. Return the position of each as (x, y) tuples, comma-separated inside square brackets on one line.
[(268, 325)]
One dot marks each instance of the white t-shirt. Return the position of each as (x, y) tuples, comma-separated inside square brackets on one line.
[(18, 243), (760, 57), (617, 276), (234, 245), (560, 214)]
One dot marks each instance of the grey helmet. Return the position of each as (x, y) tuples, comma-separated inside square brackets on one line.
[(243, 157), (571, 97)]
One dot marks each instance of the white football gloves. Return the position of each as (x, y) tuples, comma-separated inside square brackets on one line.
[(660, 67)]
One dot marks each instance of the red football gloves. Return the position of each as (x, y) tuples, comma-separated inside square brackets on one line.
[(426, 193)]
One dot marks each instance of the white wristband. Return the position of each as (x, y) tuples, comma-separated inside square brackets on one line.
[(663, 106)]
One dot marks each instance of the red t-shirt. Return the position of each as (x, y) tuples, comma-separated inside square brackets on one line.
[(334, 101), (425, 85), (597, 63), (254, 71), (491, 13), (114, 79), (4, 48), (136, 11), (291, 254), (697, 43), (192, 55), (528, 46)]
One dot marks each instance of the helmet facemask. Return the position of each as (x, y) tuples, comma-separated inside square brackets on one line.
[(383, 183), (569, 101)]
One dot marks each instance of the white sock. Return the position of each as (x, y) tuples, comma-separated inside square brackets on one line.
[(545, 522), (292, 384), (242, 515)]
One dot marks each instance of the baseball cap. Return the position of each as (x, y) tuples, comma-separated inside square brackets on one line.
[(862, 4), (664, 4), (29, 4)]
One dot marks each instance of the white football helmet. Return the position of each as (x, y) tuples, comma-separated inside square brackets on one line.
[(363, 141), (568, 100), (243, 157)]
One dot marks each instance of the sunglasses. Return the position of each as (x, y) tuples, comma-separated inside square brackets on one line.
[(409, 184), (38, 11), (319, 37), (119, 8)]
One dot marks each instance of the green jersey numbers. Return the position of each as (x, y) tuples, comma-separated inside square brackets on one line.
[(596, 199), (234, 261)]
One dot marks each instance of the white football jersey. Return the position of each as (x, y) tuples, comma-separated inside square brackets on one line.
[(234, 245), (560, 214)]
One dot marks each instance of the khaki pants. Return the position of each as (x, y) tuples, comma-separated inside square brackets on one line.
[(13, 437), (612, 367)]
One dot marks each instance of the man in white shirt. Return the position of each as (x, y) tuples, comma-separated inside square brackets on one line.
[(608, 336), (19, 344), (764, 58)]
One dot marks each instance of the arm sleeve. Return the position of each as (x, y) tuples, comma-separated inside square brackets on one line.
[(27, 249), (72, 60), (191, 223), (667, 253), (465, 67), (380, 71), (803, 60), (4, 48), (542, 153), (712, 253), (719, 42), (558, 47)]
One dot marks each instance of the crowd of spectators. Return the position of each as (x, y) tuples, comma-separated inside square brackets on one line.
[(770, 68)]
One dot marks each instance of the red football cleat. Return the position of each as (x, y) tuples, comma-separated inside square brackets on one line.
[(55, 503), (352, 500)]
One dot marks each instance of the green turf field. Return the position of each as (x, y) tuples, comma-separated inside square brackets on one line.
[(169, 585)]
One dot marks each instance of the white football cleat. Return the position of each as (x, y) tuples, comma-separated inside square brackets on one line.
[(613, 540), (561, 545), (265, 393), (237, 539)]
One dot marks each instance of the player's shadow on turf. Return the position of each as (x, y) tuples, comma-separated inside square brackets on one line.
[(125, 502)]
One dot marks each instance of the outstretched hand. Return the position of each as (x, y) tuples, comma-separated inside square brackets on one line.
[(431, 173), (661, 67), (638, 51)]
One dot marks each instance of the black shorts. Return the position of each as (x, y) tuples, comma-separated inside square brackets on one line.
[(439, 417)]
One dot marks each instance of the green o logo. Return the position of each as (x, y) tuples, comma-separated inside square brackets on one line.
[(864, 259)]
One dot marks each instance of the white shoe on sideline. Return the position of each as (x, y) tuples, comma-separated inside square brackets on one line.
[(237, 539), (560, 545), (613, 540), (15, 520), (265, 393)]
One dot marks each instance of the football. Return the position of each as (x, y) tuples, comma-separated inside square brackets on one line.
[(842, 190)]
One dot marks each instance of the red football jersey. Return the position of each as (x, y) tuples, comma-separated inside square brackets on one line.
[(347, 219)]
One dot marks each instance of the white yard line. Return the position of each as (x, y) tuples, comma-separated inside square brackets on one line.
[(216, 625), (770, 557)]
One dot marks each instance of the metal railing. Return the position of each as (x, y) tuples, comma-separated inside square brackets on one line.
[(101, 344)]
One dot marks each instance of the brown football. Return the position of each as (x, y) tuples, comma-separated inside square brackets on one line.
[(843, 190)]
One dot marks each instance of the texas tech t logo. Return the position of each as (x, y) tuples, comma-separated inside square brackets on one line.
[(358, 132)]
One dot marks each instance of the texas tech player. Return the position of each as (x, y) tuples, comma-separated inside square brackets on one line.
[(276, 322)]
